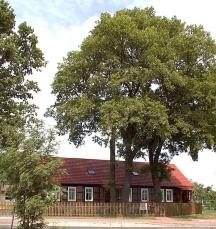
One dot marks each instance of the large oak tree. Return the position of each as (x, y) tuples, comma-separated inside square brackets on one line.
[(147, 81)]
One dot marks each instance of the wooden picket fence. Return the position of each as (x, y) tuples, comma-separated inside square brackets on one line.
[(6, 208), (76, 209)]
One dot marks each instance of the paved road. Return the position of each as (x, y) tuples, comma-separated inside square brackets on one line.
[(130, 223), (160, 222)]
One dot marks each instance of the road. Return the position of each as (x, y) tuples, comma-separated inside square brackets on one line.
[(160, 222)]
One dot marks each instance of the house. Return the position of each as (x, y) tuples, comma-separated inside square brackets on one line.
[(87, 180), (4, 195)]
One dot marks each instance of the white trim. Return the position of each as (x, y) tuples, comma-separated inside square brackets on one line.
[(144, 195), (130, 195), (73, 189), (169, 193), (162, 195), (88, 193)]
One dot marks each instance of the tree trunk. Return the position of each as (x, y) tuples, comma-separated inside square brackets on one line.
[(156, 187), (154, 154), (112, 171), (127, 179)]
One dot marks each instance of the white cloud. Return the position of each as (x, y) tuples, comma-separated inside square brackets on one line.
[(55, 45), (192, 12), (140, 4)]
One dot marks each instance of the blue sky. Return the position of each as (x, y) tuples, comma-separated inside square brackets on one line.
[(61, 25)]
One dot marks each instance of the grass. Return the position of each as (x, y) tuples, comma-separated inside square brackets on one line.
[(208, 214)]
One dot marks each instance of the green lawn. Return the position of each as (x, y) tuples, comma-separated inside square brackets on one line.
[(207, 214)]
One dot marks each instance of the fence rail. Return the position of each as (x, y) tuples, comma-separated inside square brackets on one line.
[(75, 209)]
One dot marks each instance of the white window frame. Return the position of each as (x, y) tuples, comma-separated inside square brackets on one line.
[(89, 190), (169, 192), (73, 189), (146, 191), (130, 196), (162, 195)]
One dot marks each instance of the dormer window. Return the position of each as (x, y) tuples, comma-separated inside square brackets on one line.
[(135, 173), (91, 171)]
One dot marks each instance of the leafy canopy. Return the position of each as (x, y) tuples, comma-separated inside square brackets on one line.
[(150, 71), (205, 195), (19, 57)]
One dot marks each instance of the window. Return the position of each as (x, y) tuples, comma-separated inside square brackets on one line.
[(91, 171), (162, 195), (169, 195), (130, 195), (7, 196), (71, 193), (135, 173), (88, 194), (144, 194)]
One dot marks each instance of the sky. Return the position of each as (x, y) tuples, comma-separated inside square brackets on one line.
[(61, 26)]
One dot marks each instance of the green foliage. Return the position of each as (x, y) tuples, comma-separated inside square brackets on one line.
[(26, 147), (163, 171), (19, 57), (206, 195), (30, 171), (150, 78)]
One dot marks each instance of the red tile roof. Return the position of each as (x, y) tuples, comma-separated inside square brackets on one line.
[(4, 188), (77, 174)]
